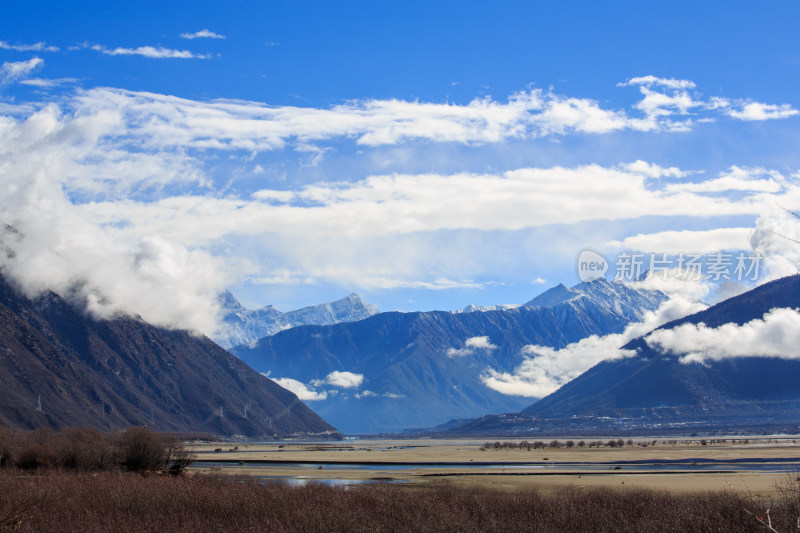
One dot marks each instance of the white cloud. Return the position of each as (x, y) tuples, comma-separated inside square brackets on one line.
[(664, 97), (48, 83), (12, 71), (114, 169), (682, 282), (546, 369), (654, 171), (650, 80), (687, 241), (777, 239), (370, 394), (311, 392), (753, 111), (202, 34), (736, 179), (776, 334), (165, 121), (472, 345), (346, 380), (57, 247), (155, 52), (35, 47), (354, 229), (300, 389)]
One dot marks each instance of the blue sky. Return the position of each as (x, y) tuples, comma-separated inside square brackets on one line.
[(425, 155)]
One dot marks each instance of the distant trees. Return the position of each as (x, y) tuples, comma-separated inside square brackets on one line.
[(136, 449)]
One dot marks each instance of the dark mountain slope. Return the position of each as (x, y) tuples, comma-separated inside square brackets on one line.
[(418, 370), (61, 368), (654, 386)]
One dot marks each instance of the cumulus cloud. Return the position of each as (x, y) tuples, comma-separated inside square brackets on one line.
[(300, 389), (472, 345), (155, 52), (314, 391), (545, 369), (54, 246), (666, 97), (345, 380), (753, 111), (12, 71), (202, 34), (776, 334), (777, 239)]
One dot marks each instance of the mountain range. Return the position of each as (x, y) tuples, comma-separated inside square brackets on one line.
[(657, 391), (398, 370), (241, 325), (60, 367)]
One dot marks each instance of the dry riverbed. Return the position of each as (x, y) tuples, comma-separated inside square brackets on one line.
[(469, 463)]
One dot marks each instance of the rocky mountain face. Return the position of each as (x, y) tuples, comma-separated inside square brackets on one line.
[(422, 369), (614, 298), (61, 368), (241, 325), (659, 391)]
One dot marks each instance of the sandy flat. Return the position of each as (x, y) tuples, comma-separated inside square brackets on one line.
[(503, 473)]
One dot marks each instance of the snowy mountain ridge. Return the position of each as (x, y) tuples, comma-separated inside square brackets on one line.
[(242, 326)]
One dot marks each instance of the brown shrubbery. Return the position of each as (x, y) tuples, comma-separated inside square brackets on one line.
[(84, 449), (106, 501)]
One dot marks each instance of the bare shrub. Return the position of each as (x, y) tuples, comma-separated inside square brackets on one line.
[(141, 450), (85, 449), (35, 455), (9, 447), (178, 457)]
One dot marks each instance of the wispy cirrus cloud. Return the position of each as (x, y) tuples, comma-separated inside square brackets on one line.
[(35, 47), (153, 52), (48, 83), (12, 71), (202, 34), (161, 120)]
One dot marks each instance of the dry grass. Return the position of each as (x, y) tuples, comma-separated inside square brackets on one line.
[(116, 501)]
